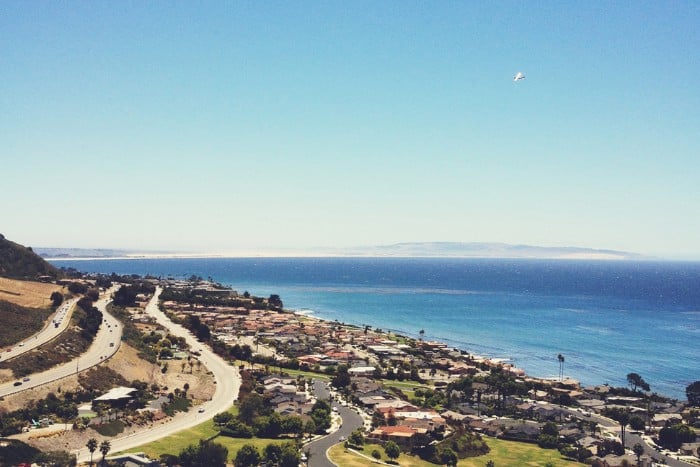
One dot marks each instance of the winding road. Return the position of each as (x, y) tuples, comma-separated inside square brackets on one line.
[(49, 332), (228, 383), (318, 450), (105, 344)]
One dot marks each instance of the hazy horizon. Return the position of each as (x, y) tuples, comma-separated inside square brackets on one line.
[(246, 126)]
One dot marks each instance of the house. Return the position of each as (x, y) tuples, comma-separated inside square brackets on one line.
[(401, 435), (117, 397), (132, 460), (661, 420)]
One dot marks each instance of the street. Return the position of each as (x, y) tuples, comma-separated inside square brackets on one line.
[(350, 422)]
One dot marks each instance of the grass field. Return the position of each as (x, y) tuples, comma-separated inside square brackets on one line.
[(512, 453), (27, 293), (174, 444), (405, 385), (503, 454), (344, 458)]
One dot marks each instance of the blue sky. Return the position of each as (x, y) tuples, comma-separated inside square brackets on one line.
[(231, 126)]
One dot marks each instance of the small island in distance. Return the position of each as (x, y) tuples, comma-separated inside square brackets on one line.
[(408, 249)]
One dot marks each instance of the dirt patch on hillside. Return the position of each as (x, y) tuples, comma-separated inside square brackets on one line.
[(127, 363), (22, 399), (131, 367), (27, 293)]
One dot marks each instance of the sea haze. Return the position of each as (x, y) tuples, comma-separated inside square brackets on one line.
[(608, 318)]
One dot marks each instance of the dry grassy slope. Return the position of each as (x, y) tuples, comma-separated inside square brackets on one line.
[(21, 262), (127, 363), (131, 367), (27, 293)]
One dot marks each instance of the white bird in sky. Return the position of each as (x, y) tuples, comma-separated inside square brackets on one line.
[(518, 76)]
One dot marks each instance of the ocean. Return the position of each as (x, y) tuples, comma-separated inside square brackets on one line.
[(607, 318)]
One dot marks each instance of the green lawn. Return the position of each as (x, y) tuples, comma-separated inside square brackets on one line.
[(294, 373), (405, 385), (307, 374), (503, 454), (513, 453), (174, 444)]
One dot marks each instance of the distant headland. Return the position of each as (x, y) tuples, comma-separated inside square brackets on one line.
[(397, 250)]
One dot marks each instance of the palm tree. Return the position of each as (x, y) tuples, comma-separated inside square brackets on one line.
[(623, 419), (638, 451), (422, 333), (560, 357), (92, 447), (105, 446)]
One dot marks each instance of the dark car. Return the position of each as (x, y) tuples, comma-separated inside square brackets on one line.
[(18, 383)]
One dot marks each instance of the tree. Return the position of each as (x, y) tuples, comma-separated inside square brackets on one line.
[(448, 457), (421, 333), (205, 454), (635, 381), (56, 458), (490, 464), (357, 438), (223, 418), (672, 437), (310, 427), (272, 453), (290, 456), (560, 357), (250, 407), (105, 446), (92, 447), (247, 456), (341, 379), (638, 450), (622, 416), (321, 415), (56, 299), (551, 429), (392, 451), (376, 454), (275, 301), (692, 391), (637, 423)]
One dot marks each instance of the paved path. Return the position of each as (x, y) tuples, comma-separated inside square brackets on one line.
[(228, 383), (350, 422)]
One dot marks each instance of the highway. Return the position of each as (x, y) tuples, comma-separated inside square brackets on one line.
[(49, 332), (105, 344), (228, 383)]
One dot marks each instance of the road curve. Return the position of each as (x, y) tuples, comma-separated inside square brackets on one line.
[(49, 332), (228, 383), (100, 350), (318, 450)]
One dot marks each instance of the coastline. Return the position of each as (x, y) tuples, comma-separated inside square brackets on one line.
[(273, 255), (506, 362), (600, 315)]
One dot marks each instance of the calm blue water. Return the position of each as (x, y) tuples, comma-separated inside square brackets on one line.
[(607, 318)]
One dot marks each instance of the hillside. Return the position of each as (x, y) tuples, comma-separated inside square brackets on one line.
[(19, 262), (487, 250), (20, 322)]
